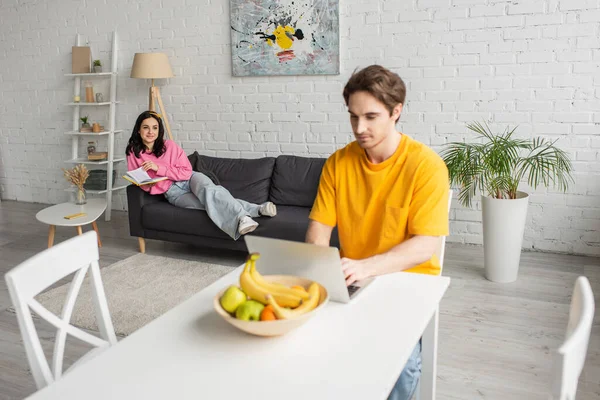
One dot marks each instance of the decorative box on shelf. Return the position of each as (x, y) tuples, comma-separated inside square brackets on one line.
[(98, 156)]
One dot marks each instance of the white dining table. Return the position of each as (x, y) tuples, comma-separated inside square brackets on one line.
[(346, 351)]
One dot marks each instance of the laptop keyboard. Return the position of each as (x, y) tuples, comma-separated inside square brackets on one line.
[(352, 289)]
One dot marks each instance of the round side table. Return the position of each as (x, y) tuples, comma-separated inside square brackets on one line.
[(55, 216)]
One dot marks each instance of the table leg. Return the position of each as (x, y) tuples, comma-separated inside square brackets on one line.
[(427, 384), (79, 231), (97, 233), (142, 244), (51, 232)]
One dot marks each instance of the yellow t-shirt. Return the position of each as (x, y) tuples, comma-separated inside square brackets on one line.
[(378, 206)]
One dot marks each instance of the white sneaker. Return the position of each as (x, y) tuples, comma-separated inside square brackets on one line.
[(268, 209), (247, 225)]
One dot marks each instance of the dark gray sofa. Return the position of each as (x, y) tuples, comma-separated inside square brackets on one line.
[(288, 181)]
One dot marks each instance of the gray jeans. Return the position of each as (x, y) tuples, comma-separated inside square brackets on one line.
[(199, 192)]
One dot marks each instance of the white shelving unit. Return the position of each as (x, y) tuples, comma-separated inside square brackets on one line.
[(109, 134)]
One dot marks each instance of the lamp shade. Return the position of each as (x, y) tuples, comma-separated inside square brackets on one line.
[(151, 66)]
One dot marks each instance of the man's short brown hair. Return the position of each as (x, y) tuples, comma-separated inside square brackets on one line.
[(379, 82)]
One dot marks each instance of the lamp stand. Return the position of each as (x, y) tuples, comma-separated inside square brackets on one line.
[(155, 94)]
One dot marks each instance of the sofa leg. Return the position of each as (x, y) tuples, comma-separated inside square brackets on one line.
[(142, 243)]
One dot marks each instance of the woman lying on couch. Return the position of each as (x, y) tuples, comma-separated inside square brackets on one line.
[(184, 187)]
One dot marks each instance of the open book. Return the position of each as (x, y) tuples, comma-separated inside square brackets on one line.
[(140, 177)]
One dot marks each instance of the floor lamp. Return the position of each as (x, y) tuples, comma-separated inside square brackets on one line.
[(153, 66)]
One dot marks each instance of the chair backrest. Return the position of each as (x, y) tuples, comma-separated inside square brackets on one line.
[(442, 248), (570, 356), (77, 255)]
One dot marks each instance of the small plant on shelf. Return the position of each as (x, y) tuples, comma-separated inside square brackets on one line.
[(97, 66), (85, 126)]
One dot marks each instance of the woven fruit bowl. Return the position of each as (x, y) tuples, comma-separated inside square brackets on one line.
[(274, 327)]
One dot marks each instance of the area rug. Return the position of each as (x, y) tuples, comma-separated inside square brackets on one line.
[(138, 290)]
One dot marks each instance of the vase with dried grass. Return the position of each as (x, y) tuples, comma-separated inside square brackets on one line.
[(77, 177)]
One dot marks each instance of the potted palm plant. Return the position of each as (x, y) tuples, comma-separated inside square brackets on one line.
[(495, 166)]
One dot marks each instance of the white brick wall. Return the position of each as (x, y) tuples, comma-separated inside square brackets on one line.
[(534, 63)]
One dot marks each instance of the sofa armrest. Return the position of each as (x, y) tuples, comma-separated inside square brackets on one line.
[(136, 200)]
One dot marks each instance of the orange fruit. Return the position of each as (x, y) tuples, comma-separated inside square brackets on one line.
[(268, 314)]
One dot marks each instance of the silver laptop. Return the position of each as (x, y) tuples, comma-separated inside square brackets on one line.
[(317, 263)]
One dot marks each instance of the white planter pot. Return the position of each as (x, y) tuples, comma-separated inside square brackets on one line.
[(503, 229)]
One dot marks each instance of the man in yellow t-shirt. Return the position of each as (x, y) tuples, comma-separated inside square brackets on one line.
[(386, 193)]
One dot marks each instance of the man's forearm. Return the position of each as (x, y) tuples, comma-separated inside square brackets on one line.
[(319, 234), (405, 255)]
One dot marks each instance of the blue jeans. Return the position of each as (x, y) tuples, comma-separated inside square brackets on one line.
[(407, 382), (200, 193)]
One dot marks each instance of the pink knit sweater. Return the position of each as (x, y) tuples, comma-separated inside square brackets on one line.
[(173, 164)]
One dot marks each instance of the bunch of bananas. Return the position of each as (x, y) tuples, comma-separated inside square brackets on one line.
[(279, 296), (313, 301)]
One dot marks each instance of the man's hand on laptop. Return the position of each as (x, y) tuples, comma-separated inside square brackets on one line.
[(357, 270)]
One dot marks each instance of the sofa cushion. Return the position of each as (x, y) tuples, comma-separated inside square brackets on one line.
[(295, 180), (163, 216), (198, 168), (246, 179), (290, 223)]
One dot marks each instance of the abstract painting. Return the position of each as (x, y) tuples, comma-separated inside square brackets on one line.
[(285, 37)]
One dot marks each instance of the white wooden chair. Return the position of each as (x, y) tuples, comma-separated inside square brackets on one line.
[(429, 354), (570, 356), (30, 278)]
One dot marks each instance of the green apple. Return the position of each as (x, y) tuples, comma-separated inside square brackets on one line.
[(232, 298), (249, 311)]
